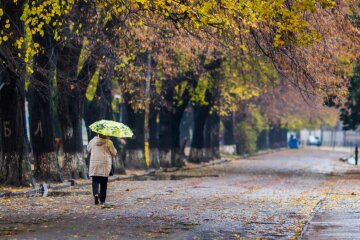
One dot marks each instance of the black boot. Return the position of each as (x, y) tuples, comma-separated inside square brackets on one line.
[(96, 199)]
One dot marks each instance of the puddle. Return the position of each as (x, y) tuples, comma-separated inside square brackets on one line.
[(352, 161), (275, 236), (338, 224), (168, 177), (14, 230), (220, 234), (188, 224), (182, 226), (61, 194)]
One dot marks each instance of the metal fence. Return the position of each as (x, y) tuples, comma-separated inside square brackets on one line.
[(272, 138)]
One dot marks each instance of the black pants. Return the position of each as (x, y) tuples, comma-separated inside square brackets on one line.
[(102, 181)]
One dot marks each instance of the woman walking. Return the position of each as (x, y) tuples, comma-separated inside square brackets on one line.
[(102, 151)]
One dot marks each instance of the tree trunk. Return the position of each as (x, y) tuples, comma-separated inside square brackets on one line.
[(212, 133), (177, 155), (263, 140), (197, 143), (40, 110), (213, 122), (186, 128), (169, 137), (229, 130), (121, 148), (170, 147), (14, 164), (153, 138), (165, 138), (216, 136), (1, 135), (228, 138), (119, 167), (207, 140), (170, 120), (284, 142), (275, 136), (71, 94), (135, 157), (69, 111), (101, 108)]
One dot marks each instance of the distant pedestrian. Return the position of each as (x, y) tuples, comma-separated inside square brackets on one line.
[(102, 151)]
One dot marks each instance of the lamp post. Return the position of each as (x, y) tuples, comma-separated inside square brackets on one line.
[(147, 110), (356, 154)]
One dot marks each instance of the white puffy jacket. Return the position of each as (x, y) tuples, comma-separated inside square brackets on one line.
[(102, 150)]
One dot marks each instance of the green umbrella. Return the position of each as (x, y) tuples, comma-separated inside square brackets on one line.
[(111, 128)]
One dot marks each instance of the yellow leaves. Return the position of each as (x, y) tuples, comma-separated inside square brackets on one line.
[(32, 48), (327, 3), (19, 42), (278, 41), (56, 36), (29, 70), (38, 14), (12, 189), (305, 6), (243, 78), (5, 38), (232, 18), (292, 28), (198, 95), (244, 47), (183, 9), (145, 3), (90, 92)]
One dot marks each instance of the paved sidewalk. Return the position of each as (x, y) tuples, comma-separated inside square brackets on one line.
[(339, 214), (269, 196), (347, 150)]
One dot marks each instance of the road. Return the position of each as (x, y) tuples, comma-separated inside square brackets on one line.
[(304, 193)]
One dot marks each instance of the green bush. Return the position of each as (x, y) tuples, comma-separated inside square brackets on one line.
[(246, 137), (248, 130)]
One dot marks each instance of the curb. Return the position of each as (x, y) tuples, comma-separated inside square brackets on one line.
[(310, 218), (262, 152), (43, 189)]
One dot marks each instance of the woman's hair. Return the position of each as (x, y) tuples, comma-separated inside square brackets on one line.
[(101, 136)]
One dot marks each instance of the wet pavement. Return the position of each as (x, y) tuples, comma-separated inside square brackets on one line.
[(339, 213), (284, 195)]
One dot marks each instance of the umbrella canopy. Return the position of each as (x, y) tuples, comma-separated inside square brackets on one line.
[(111, 128)]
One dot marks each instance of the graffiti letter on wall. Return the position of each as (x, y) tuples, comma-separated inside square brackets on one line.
[(39, 129), (68, 133), (7, 130)]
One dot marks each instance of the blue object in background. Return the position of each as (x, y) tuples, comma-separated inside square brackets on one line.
[(293, 143)]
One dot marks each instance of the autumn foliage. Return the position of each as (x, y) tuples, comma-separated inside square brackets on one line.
[(218, 56)]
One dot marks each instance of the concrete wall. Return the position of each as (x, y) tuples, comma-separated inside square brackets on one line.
[(332, 137)]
